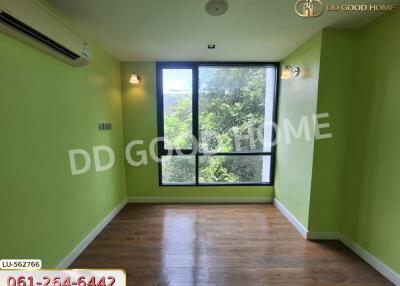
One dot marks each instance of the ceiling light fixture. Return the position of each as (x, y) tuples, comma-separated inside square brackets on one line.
[(135, 79), (217, 7), (288, 72)]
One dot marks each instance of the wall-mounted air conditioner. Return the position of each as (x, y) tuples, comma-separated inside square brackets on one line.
[(29, 22)]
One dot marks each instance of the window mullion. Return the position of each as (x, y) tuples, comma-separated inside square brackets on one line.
[(195, 114)]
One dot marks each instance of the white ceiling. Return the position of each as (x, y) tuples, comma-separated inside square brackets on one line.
[(251, 30)]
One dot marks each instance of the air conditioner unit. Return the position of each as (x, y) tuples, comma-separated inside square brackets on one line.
[(31, 23)]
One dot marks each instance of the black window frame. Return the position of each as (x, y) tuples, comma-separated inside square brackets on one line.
[(194, 66)]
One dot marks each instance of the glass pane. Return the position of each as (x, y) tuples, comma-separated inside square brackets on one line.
[(234, 169), (177, 98), (236, 108), (178, 169)]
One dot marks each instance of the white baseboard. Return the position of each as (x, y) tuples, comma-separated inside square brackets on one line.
[(200, 200), (66, 262), (323, 235), (291, 218), (381, 267)]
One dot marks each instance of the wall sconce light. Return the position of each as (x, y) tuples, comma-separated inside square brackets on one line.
[(288, 72), (135, 79)]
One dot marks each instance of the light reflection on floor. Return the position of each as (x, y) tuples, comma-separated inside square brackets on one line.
[(181, 233)]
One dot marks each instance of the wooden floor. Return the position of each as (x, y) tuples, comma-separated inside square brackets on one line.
[(220, 245)]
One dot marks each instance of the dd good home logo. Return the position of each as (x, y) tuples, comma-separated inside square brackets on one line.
[(309, 8)]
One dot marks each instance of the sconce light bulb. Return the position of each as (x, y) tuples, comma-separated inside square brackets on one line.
[(296, 71), (135, 79), (286, 73)]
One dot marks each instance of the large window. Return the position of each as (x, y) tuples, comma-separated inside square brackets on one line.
[(217, 123)]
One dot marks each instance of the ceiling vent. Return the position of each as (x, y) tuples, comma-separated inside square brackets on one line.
[(217, 7)]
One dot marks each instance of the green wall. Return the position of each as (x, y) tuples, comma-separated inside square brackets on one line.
[(297, 98), (140, 123), (371, 212), (354, 188), (47, 108), (334, 97)]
